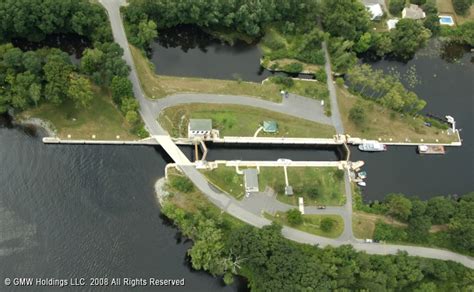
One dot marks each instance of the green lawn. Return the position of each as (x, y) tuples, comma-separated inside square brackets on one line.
[(227, 180), (311, 224), (101, 119), (386, 124), (236, 120), (318, 186)]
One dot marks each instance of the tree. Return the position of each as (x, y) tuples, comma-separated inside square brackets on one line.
[(132, 117), (121, 87), (408, 37), (294, 217), (345, 18), (399, 206), (80, 91), (327, 224), (92, 61), (129, 104), (396, 6), (57, 71), (462, 6), (440, 210), (146, 32), (382, 44), (364, 42), (320, 75), (418, 228), (35, 93), (357, 115), (182, 184)]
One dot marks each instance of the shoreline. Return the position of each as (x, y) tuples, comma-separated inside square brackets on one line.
[(160, 191), (37, 123)]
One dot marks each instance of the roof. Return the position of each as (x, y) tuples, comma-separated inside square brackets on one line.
[(392, 23), (270, 126), (288, 190), (200, 124), (251, 178), (375, 10), (413, 11)]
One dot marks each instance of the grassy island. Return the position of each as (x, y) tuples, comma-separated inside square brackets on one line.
[(236, 120)]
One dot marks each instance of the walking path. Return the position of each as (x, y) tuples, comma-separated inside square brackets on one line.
[(297, 106)]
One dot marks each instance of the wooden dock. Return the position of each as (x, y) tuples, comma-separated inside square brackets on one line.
[(431, 149)]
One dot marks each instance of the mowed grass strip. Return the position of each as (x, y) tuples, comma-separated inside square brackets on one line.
[(158, 86), (227, 180), (236, 120), (102, 119), (311, 224), (317, 186), (385, 124)]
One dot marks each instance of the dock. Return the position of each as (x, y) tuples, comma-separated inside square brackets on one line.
[(431, 149)]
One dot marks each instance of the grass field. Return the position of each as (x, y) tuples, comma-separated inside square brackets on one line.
[(363, 224), (385, 124), (101, 119), (445, 7), (160, 86), (318, 186), (228, 180), (311, 224), (236, 120)]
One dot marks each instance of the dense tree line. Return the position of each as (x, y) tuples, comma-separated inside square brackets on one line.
[(421, 215), (385, 89), (273, 263), (35, 19), (245, 16)]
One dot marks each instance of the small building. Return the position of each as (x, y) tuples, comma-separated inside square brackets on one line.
[(413, 12), (199, 128), (270, 126), (375, 11), (251, 180), (289, 190), (392, 23)]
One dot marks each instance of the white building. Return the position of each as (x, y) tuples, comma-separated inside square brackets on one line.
[(199, 128), (375, 11), (251, 180), (392, 23)]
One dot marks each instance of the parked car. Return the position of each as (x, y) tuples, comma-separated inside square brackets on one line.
[(368, 240), (321, 207)]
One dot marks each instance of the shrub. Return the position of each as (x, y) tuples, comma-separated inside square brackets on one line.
[(357, 115), (182, 184), (294, 217), (327, 224), (339, 81), (286, 81), (320, 75), (141, 132), (388, 232), (461, 6), (273, 42), (293, 67)]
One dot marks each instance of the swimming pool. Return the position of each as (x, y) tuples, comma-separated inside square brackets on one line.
[(446, 20)]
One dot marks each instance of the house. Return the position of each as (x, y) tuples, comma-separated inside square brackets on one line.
[(270, 126), (251, 180), (199, 128), (289, 190), (375, 11), (413, 12), (392, 23)]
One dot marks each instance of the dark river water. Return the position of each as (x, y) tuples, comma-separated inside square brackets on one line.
[(87, 211), (187, 51)]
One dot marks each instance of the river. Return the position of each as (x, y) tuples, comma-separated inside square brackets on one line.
[(87, 211)]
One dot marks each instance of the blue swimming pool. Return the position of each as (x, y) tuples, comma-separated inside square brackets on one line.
[(446, 20)]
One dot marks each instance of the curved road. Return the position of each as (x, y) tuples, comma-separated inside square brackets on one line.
[(234, 207)]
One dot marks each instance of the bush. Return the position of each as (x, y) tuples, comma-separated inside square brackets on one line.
[(461, 6), (273, 42), (339, 81), (293, 67), (141, 132), (396, 6), (320, 75), (327, 224), (388, 232), (182, 184), (437, 124), (286, 81), (357, 115), (294, 217)]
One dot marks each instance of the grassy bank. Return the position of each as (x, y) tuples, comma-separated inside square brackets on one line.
[(318, 186), (312, 224), (101, 119), (386, 124), (363, 224), (160, 86), (236, 120), (227, 180)]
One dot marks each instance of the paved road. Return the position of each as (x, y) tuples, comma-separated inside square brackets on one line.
[(295, 105), (235, 207)]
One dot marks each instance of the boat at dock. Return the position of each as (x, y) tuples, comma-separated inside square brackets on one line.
[(372, 146), (362, 183), (431, 149), (362, 174)]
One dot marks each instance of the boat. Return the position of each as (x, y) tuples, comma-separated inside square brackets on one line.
[(431, 149), (362, 183), (362, 174), (372, 146)]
